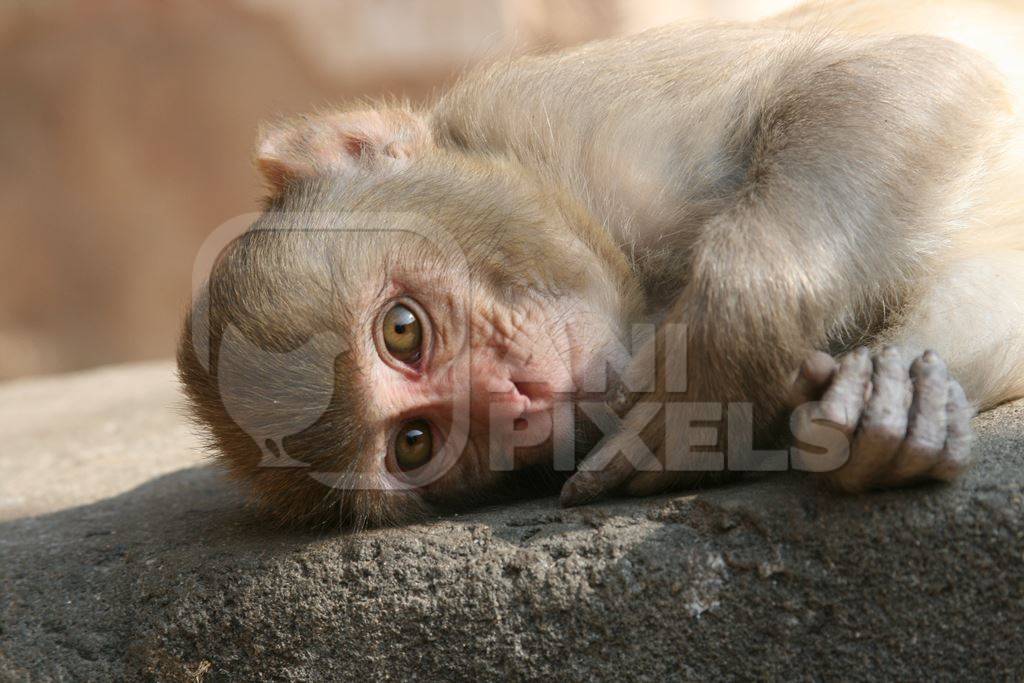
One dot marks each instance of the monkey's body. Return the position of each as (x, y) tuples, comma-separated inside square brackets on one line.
[(656, 181), (762, 153), (822, 181)]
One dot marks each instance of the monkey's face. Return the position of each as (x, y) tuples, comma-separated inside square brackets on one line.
[(462, 385), (400, 345), (474, 340)]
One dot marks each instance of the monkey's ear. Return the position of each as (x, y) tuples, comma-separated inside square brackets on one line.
[(340, 143)]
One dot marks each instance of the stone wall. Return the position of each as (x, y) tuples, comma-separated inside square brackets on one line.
[(124, 557)]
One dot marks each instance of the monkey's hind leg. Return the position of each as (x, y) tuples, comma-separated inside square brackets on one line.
[(972, 315), (904, 410)]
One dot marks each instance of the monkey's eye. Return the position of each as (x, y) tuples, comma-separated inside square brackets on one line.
[(403, 334), (414, 445)]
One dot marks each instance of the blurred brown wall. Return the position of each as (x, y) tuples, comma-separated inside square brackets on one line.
[(126, 129)]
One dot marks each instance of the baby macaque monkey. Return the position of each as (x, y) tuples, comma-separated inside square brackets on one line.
[(637, 265)]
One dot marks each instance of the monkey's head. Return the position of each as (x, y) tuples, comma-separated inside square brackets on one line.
[(402, 328)]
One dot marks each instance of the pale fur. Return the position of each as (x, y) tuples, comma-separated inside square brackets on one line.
[(669, 148), (837, 176)]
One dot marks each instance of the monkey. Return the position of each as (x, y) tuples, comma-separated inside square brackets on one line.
[(642, 264)]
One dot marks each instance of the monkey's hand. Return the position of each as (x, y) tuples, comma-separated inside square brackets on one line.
[(898, 426), (879, 423)]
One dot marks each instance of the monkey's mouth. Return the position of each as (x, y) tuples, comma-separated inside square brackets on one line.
[(534, 398), (538, 395)]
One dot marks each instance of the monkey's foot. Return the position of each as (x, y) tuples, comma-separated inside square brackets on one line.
[(899, 425)]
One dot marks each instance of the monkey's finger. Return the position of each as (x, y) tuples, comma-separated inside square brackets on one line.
[(926, 428), (811, 379), (600, 473), (883, 425), (956, 454), (843, 402), (831, 422)]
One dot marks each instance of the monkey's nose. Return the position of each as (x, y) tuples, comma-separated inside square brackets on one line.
[(499, 400)]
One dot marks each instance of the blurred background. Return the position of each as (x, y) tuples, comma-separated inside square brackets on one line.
[(126, 130)]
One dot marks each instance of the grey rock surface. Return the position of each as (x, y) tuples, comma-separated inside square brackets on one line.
[(124, 556)]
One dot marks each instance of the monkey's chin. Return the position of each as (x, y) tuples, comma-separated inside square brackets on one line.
[(533, 481)]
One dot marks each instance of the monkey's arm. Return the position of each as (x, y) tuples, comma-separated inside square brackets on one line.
[(857, 172)]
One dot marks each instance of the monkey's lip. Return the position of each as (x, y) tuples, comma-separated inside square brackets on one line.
[(530, 409), (522, 400)]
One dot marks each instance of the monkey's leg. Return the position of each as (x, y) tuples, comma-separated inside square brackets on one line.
[(972, 314)]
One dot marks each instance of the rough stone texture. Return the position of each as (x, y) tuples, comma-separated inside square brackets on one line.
[(123, 556)]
